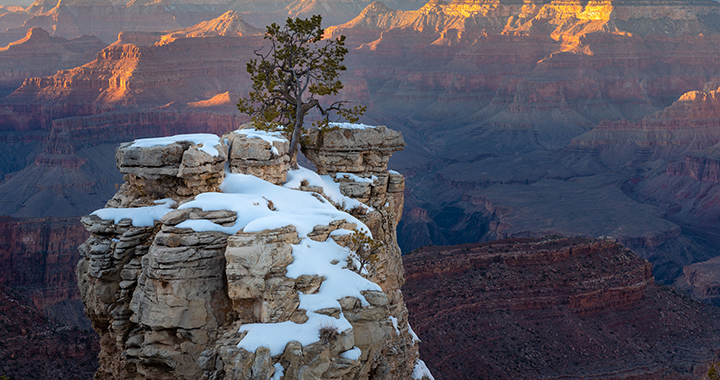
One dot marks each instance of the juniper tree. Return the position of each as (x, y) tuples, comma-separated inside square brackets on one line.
[(288, 79)]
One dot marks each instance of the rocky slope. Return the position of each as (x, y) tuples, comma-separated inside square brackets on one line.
[(484, 121), (553, 308), (195, 272), (31, 347)]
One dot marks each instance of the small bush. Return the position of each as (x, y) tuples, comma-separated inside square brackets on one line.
[(328, 333), (365, 252)]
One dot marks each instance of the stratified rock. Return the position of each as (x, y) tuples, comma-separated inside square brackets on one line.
[(351, 150), (38, 54), (264, 158), (174, 300), (553, 308), (38, 258)]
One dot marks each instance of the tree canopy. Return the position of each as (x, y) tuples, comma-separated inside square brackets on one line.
[(288, 78)]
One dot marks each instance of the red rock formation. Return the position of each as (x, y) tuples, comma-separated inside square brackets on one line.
[(551, 309), (38, 257), (38, 54)]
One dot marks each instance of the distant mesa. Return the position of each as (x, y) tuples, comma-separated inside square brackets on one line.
[(219, 100), (229, 24)]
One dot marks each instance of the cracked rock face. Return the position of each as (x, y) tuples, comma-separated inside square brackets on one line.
[(181, 289)]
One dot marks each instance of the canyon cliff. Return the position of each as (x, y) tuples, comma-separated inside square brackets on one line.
[(505, 108), (553, 308), (192, 271), (38, 257)]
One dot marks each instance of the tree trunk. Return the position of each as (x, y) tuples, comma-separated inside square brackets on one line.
[(295, 143)]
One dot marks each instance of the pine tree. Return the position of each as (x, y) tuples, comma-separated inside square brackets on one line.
[(298, 67)]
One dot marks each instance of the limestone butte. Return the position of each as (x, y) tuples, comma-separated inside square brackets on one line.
[(553, 308), (131, 74), (105, 19), (245, 285), (690, 123)]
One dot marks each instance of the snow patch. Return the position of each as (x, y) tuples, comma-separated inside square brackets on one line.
[(140, 216), (331, 189), (395, 324), (421, 370), (412, 333), (276, 336), (279, 371), (268, 136), (206, 142), (261, 205), (356, 178), (352, 354), (350, 125), (316, 258)]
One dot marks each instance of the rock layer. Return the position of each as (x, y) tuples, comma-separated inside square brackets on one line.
[(553, 308), (38, 260)]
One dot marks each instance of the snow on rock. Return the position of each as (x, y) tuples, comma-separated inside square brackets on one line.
[(350, 125), (353, 354), (421, 371), (140, 216), (276, 336), (330, 188), (207, 141), (268, 136), (356, 178), (279, 371), (412, 333), (260, 205), (256, 256), (259, 153), (395, 324), (316, 258)]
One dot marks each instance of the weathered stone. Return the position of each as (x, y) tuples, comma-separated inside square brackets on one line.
[(308, 284), (258, 157), (251, 256), (262, 368), (171, 300), (375, 298), (349, 150)]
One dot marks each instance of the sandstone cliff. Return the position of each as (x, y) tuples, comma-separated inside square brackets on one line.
[(553, 308), (38, 54), (202, 265)]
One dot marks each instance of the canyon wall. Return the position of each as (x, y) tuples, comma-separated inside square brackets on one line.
[(38, 257), (256, 283), (553, 308), (492, 98)]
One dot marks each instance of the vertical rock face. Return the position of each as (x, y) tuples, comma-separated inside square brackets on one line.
[(261, 271)]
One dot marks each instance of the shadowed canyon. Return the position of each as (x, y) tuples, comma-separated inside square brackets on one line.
[(522, 119)]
